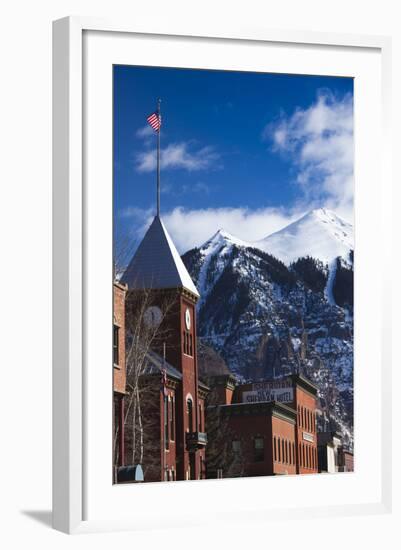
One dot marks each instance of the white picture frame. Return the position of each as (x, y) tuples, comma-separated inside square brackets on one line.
[(70, 284)]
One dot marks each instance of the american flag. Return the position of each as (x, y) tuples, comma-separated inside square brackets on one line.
[(155, 120)]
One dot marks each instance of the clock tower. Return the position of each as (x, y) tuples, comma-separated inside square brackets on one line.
[(157, 268)]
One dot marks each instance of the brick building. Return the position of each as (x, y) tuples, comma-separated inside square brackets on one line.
[(119, 370), (345, 460), (271, 424), (174, 408), (333, 456)]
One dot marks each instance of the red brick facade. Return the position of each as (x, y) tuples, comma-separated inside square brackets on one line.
[(274, 437), (306, 433), (346, 461), (119, 371), (176, 438)]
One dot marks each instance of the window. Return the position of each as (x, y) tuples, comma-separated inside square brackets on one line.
[(172, 419), (279, 449), (190, 415), (187, 343), (236, 446), (200, 417), (274, 449), (258, 449), (116, 347), (166, 407)]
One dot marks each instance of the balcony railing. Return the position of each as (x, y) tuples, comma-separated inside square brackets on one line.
[(196, 440)]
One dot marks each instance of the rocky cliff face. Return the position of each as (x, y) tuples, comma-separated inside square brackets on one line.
[(267, 319)]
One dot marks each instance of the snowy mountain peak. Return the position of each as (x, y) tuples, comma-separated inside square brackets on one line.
[(327, 216), (221, 238), (320, 233)]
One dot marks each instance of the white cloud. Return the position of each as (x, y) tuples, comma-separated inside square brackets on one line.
[(145, 132), (178, 155), (319, 141), (190, 228)]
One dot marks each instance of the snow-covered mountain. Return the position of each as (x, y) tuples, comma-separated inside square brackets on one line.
[(320, 234), (266, 318)]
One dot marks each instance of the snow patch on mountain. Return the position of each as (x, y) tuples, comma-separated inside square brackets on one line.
[(328, 291), (320, 234)]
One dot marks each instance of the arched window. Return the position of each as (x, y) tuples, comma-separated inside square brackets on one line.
[(190, 414)]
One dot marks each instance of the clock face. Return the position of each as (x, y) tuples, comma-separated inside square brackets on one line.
[(188, 319), (152, 316)]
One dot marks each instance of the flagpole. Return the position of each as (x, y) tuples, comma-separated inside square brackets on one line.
[(158, 159)]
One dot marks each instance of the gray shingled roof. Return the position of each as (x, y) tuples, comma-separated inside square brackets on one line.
[(154, 365), (157, 264)]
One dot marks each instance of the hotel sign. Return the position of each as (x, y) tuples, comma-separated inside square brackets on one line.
[(275, 390)]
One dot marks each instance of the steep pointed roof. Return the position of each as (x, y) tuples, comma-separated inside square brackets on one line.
[(156, 264)]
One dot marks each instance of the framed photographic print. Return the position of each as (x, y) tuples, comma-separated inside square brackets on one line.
[(216, 338)]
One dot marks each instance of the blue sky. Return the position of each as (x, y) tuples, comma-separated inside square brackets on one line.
[(249, 152)]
